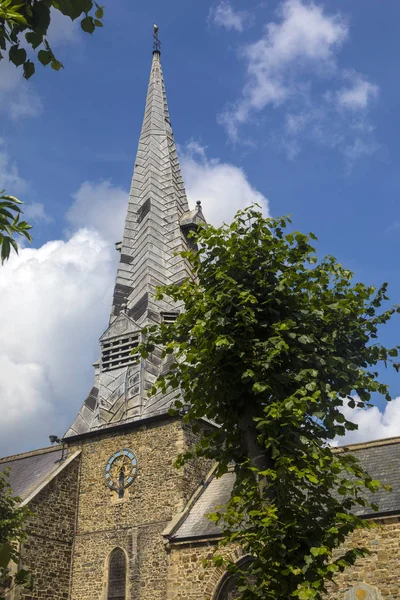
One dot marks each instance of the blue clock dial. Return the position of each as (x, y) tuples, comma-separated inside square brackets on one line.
[(120, 470)]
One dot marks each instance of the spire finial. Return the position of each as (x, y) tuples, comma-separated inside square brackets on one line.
[(157, 43)]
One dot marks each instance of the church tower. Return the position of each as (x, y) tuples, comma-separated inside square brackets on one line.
[(129, 490), (156, 227)]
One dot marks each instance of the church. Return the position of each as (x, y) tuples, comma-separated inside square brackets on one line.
[(112, 519)]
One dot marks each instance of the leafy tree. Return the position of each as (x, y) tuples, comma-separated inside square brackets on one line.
[(10, 225), (12, 518), (270, 345), (26, 22)]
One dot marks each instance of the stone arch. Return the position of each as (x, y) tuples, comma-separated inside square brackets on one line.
[(362, 591), (217, 573), (117, 574), (226, 588)]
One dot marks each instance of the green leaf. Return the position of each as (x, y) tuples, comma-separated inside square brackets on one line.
[(45, 56), (99, 14), (98, 23), (56, 64), (29, 69), (17, 55), (88, 25), (259, 387), (34, 38), (41, 17)]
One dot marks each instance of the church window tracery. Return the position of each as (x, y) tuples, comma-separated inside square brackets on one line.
[(117, 575)]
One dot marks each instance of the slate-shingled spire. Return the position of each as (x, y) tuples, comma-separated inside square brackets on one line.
[(157, 221)]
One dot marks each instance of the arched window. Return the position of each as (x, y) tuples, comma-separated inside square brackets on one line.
[(228, 586), (117, 575)]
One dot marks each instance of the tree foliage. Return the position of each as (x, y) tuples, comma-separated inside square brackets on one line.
[(12, 518), (270, 345), (11, 225), (26, 23)]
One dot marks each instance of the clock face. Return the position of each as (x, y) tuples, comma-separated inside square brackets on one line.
[(120, 470)]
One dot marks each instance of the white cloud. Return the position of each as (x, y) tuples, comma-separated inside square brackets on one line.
[(101, 207), (293, 68), (373, 424), (10, 179), (221, 187), (35, 211), (18, 98), (358, 95), (224, 15), (54, 302), (304, 37)]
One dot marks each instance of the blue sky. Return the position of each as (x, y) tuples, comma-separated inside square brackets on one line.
[(289, 103)]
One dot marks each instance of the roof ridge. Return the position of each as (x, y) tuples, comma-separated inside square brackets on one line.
[(368, 444), (23, 455)]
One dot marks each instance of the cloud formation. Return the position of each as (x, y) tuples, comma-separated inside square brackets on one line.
[(18, 98), (101, 207), (10, 179), (358, 94), (373, 424), (286, 68), (54, 302), (221, 187), (223, 15)]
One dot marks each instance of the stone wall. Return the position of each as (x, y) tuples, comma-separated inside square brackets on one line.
[(189, 579), (135, 522), (381, 568), (47, 551)]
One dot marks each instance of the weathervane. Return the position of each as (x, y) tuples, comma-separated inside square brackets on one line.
[(157, 43)]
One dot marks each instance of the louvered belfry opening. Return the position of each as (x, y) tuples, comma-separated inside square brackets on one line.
[(169, 317), (117, 353), (117, 575)]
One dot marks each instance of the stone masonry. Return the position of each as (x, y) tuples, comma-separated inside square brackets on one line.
[(135, 522), (47, 551), (190, 576)]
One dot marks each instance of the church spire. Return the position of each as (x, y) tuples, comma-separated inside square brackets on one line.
[(157, 201), (156, 225)]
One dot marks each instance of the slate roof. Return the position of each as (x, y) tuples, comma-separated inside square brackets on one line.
[(380, 458), (31, 470)]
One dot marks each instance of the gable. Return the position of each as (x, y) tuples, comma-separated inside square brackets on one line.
[(123, 325)]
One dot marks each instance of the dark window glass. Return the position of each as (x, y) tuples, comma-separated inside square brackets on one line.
[(117, 575), (229, 588)]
